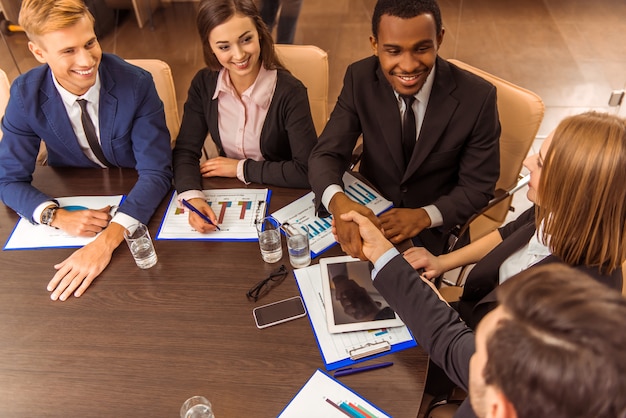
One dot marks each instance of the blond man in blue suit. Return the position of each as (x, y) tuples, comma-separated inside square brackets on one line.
[(126, 116)]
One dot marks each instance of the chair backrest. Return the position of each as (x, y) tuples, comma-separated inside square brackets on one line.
[(164, 82), (309, 64), (5, 87), (521, 112)]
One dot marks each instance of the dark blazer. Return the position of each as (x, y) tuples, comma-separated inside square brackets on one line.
[(133, 134), (479, 296), (435, 326), (455, 164), (286, 141)]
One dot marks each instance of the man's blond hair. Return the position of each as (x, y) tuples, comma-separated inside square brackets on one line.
[(38, 17)]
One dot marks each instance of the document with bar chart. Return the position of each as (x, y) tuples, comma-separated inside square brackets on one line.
[(320, 234), (236, 210)]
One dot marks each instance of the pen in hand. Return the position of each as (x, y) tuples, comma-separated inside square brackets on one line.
[(352, 370), (200, 214)]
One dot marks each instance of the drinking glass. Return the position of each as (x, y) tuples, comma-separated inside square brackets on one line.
[(196, 407), (138, 239), (298, 244), (268, 230)]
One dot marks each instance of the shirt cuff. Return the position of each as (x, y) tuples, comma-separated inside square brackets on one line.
[(125, 220), (383, 260), (240, 173), (436, 218), (188, 195), (39, 209), (328, 194)]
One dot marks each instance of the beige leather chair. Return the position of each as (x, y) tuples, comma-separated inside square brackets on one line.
[(309, 64), (521, 112), (4, 94), (164, 82)]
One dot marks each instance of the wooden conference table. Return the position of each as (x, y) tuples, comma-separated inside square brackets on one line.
[(140, 342)]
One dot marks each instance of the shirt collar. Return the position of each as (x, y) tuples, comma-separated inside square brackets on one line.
[(92, 95), (536, 245), (260, 92)]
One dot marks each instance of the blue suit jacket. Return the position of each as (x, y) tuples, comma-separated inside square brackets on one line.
[(133, 134)]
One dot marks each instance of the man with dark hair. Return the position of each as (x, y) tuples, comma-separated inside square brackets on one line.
[(554, 347), (430, 132)]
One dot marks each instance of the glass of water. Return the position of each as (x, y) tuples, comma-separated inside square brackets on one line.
[(268, 230), (196, 407), (298, 244), (138, 239)]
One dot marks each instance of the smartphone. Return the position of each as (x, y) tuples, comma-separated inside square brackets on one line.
[(278, 312)]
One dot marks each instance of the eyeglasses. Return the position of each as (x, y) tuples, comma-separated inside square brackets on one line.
[(263, 287)]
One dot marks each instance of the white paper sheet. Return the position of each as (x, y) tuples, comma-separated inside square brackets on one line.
[(322, 395), (29, 236)]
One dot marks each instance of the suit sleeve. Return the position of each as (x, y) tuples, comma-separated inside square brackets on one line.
[(18, 155), (479, 167), (293, 114), (193, 132), (331, 156), (153, 154), (435, 325)]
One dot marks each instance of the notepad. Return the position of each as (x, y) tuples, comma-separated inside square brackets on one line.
[(324, 396)]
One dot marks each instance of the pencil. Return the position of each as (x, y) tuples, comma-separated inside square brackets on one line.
[(200, 214)]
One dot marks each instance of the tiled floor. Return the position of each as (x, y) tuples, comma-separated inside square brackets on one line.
[(570, 52)]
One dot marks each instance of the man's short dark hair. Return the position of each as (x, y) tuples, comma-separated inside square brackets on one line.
[(405, 9), (560, 351)]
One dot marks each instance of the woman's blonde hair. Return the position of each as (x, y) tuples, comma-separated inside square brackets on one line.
[(582, 196), (38, 17)]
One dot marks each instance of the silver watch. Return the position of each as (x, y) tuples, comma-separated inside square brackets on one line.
[(47, 216)]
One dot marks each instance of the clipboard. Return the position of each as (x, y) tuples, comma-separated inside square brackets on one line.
[(238, 211), (348, 348), (302, 210)]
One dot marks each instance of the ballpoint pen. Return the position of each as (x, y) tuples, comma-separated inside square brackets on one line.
[(200, 214), (351, 370)]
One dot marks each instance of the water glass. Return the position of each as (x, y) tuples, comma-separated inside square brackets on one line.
[(298, 244), (138, 239), (196, 407), (268, 230)]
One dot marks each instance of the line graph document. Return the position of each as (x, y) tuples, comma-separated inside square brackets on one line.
[(302, 210), (337, 349), (237, 211), (28, 236)]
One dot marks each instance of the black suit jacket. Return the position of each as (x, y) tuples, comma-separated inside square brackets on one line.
[(479, 296), (455, 164), (435, 326)]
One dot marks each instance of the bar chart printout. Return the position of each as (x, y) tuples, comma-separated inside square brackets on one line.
[(236, 210), (302, 210)]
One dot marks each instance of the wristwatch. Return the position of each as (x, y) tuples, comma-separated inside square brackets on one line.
[(47, 216)]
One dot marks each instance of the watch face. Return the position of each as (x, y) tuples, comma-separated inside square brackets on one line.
[(48, 215)]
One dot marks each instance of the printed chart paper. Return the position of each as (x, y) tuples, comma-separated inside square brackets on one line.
[(320, 234), (336, 348), (237, 211), (29, 236), (324, 396)]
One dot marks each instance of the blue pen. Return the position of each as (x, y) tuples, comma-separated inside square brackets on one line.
[(353, 370), (200, 214)]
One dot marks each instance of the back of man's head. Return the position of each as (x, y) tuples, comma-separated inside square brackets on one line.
[(561, 349), (405, 9), (38, 17)]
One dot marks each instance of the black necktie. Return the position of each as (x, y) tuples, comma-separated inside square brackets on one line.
[(90, 133), (409, 131)]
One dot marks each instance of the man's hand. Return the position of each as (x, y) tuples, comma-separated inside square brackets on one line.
[(401, 224), (76, 272), (82, 223), (347, 232), (197, 222), (219, 167), (374, 243)]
